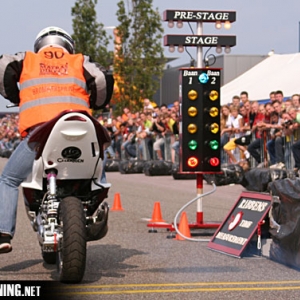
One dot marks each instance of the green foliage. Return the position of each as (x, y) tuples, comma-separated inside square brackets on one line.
[(140, 60), (90, 36)]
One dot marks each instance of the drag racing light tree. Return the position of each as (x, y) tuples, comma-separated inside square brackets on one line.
[(200, 90), (200, 113), (199, 94)]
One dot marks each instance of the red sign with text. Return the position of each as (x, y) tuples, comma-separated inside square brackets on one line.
[(241, 223)]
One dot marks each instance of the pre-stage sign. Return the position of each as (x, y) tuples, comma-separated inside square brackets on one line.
[(241, 223)]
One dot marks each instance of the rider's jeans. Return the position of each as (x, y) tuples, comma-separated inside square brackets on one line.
[(15, 172)]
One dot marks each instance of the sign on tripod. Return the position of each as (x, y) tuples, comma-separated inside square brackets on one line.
[(238, 228)]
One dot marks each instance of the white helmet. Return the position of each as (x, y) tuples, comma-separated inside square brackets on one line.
[(54, 36)]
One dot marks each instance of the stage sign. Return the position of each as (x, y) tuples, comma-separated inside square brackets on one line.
[(241, 223), (199, 16), (199, 40)]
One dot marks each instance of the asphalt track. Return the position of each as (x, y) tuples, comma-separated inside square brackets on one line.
[(131, 263)]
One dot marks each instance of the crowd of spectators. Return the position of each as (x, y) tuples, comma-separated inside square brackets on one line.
[(147, 134), (252, 134), (266, 135), (9, 134)]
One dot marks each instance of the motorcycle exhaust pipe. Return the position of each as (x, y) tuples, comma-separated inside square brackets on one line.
[(98, 229)]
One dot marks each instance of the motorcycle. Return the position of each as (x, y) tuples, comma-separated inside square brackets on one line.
[(64, 195)]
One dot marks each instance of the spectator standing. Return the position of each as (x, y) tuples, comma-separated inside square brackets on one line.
[(131, 145), (268, 109), (163, 108), (244, 97), (275, 145), (272, 96), (236, 125), (278, 106), (262, 109), (256, 146), (147, 120), (247, 106), (171, 120), (245, 140), (122, 137), (253, 112), (296, 101), (279, 96), (158, 128), (147, 105), (141, 136), (175, 129), (226, 125), (131, 125), (291, 135), (176, 107), (126, 114), (116, 137), (129, 139), (287, 104), (236, 101), (168, 136), (296, 145), (107, 123), (148, 134), (157, 110)]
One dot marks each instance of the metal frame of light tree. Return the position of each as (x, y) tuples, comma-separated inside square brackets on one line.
[(199, 41)]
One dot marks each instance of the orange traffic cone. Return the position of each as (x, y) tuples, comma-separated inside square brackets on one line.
[(183, 228), (117, 203), (156, 215)]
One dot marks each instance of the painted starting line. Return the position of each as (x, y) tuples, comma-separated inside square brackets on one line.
[(177, 287)]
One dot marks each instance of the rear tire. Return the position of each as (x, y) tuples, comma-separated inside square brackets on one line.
[(71, 254)]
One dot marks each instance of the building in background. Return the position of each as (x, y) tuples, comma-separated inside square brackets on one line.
[(232, 65)]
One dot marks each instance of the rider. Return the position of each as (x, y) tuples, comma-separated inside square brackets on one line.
[(43, 84)]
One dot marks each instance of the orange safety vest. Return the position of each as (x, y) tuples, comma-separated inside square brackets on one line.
[(51, 81)]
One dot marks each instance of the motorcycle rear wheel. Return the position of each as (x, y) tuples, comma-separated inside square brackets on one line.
[(71, 254)]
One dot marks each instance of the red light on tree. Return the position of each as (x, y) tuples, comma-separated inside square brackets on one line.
[(214, 161), (193, 162)]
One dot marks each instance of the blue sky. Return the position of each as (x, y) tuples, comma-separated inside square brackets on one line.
[(262, 25)]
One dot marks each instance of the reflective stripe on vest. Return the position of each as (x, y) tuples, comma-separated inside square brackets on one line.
[(53, 100), (37, 81)]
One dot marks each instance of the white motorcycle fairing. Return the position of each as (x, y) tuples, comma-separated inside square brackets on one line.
[(72, 148)]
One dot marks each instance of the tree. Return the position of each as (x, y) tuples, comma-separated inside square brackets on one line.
[(90, 36), (139, 58)]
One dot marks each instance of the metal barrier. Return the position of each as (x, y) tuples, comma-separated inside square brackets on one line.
[(288, 155), (168, 147), (287, 148), (224, 140), (144, 150), (263, 152)]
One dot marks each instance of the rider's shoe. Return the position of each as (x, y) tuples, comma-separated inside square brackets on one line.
[(5, 246)]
